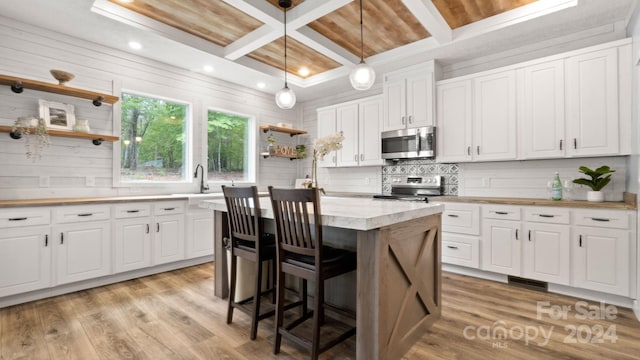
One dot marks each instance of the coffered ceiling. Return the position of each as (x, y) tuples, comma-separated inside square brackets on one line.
[(241, 41)]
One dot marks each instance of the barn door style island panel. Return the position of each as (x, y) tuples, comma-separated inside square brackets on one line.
[(399, 270)]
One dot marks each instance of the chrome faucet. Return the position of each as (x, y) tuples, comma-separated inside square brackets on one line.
[(203, 187)]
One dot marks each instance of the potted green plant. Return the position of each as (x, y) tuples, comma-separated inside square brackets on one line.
[(271, 144), (598, 179), (31, 126)]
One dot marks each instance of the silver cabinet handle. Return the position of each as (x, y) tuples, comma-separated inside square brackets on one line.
[(452, 247), (529, 235), (18, 219), (46, 240), (133, 211), (469, 150), (403, 121), (478, 149), (61, 238), (600, 219), (410, 119), (147, 228), (517, 234), (169, 209), (157, 227), (546, 215), (580, 241), (560, 144), (575, 143), (84, 215), (501, 212), (452, 215)]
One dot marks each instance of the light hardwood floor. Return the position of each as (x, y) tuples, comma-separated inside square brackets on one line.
[(174, 315)]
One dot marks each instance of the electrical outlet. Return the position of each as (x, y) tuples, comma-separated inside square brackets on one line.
[(44, 181), (90, 181), (367, 181)]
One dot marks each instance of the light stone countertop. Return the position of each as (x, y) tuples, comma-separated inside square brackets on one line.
[(355, 213)]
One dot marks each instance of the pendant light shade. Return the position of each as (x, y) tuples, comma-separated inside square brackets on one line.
[(285, 97), (362, 76)]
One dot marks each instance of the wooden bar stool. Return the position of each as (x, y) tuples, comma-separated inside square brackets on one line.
[(248, 241), (300, 252)]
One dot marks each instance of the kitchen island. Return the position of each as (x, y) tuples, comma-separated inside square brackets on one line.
[(399, 270)]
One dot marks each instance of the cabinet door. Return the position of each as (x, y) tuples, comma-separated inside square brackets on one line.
[(546, 255), (395, 99), (494, 119), (83, 251), (601, 260), (541, 110), (168, 242), (326, 126), (370, 120), (592, 103), (453, 140), (347, 123), (25, 259), (420, 100), (501, 246), (132, 244), (199, 233)]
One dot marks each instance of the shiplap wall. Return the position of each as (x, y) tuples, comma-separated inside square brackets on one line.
[(366, 179), (68, 165)]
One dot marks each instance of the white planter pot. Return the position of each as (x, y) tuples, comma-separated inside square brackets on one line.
[(595, 196)]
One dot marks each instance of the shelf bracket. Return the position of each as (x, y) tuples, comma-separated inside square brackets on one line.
[(97, 142), (98, 101), (15, 135), (17, 87)]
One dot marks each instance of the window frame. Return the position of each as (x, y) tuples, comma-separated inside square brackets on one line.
[(252, 156), (188, 147)]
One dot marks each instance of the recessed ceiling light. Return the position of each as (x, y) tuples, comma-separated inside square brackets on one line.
[(207, 68), (304, 71), (135, 45), (261, 85)]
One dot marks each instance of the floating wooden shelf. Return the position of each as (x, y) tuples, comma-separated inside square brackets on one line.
[(19, 84), (97, 139), (267, 155), (289, 131)]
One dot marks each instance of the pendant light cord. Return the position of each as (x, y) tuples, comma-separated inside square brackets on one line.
[(285, 47), (361, 36)]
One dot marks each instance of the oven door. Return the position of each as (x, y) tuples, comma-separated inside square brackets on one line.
[(408, 143)]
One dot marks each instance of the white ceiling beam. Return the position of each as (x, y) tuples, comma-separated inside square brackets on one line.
[(259, 10), (251, 41), (324, 46), (429, 16), (311, 10)]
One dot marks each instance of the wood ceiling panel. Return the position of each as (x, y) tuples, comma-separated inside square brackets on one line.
[(298, 56), (388, 24), (458, 13), (214, 21)]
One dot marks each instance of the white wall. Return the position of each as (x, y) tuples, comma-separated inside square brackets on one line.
[(30, 52)]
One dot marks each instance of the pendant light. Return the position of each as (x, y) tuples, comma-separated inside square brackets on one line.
[(285, 97), (362, 76)]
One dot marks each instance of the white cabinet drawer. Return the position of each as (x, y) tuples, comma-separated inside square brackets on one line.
[(17, 217), (461, 218), (132, 210), (547, 215), (461, 250), (602, 218), (502, 212), (168, 207), (81, 213)]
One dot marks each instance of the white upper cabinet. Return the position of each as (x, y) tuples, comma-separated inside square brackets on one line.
[(592, 103), (359, 122), (409, 98), (541, 109), (326, 127), (453, 131), (494, 119)]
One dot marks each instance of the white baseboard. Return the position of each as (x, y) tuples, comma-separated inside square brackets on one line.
[(462, 270), (105, 280), (592, 295)]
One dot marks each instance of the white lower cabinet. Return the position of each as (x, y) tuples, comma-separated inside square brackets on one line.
[(460, 230), (501, 246), (82, 251), (25, 259), (168, 232), (132, 237), (601, 259), (200, 233), (546, 253)]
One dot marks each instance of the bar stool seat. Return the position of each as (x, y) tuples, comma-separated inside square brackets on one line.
[(248, 240)]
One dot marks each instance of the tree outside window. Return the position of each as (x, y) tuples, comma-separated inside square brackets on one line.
[(153, 139), (229, 147)]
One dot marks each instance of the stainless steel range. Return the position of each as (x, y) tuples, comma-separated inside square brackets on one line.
[(414, 188)]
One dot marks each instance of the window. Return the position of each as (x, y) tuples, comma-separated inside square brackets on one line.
[(231, 147), (153, 139)]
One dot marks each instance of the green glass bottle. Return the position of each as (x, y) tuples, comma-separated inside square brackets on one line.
[(556, 188)]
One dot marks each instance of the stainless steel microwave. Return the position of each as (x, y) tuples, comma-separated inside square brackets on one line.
[(416, 143)]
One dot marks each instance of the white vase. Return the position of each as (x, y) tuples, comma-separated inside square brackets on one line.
[(595, 196), (81, 125)]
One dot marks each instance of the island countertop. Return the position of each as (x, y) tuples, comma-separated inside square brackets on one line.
[(353, 212)]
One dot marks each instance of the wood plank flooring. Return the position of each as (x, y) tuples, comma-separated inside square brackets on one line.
[(174, 315)]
